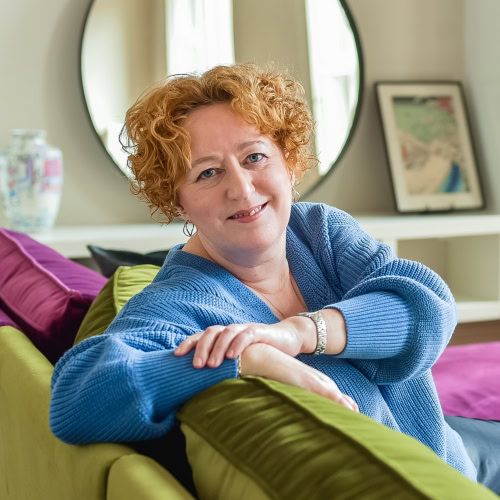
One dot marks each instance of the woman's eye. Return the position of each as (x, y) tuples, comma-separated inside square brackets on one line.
[(255, 157), (206, 174)]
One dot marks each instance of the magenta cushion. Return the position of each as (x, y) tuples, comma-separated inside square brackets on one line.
[(46, 294), (468, 380), (5, 320)]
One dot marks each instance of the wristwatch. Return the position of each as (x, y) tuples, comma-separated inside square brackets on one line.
[(320, 323)]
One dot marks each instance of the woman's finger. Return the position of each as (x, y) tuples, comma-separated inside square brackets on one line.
[(335, 394), (348, 402), (186, 345), (221, 344), (205, 345), (249, 335), (352, 402), (341, 399)]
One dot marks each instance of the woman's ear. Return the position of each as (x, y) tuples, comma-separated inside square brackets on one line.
[(181, 211)]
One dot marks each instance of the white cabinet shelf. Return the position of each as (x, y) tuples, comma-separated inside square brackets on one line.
[(463, 249), (72, 241)]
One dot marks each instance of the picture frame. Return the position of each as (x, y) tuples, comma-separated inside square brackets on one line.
[(429, 147)]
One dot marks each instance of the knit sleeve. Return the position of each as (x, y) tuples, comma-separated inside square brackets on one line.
[(126, 384), (399, 314)]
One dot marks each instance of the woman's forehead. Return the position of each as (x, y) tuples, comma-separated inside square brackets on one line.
[(214, 114), (216, 127)]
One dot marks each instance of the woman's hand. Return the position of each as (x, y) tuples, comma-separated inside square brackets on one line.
[(219, 342), (263, 360)]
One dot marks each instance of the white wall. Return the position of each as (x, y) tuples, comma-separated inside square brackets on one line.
[(40, 87), (482, 43), (402, 39)]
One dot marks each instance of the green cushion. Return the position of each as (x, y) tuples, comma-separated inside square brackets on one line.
[(264, 439), (34, 464), (141, 478), (121, 287)]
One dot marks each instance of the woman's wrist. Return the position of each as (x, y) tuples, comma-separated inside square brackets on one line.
[(253, 360), (336, 331), (308, 336), (305, 330)]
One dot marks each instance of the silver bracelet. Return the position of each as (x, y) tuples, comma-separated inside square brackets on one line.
[(239, 366), (321, 332)]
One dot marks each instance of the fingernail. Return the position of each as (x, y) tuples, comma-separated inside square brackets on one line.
[(230, 354), (197, 362)]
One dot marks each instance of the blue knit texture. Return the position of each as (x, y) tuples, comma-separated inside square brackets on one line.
[(126, 384)]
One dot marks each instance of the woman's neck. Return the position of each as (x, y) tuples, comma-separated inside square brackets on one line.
[(267, 274)]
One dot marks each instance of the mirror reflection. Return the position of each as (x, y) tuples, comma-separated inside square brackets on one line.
[(130, 45)]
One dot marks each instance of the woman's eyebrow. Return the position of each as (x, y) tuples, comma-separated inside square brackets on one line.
[(241, 146), (249, 143), (203, 159)]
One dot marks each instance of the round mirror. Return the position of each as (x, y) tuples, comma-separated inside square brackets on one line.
[(130, 45)]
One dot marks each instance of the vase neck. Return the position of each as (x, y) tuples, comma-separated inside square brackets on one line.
[(28, 134)]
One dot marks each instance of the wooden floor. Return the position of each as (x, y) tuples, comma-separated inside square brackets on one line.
[(473, 333)]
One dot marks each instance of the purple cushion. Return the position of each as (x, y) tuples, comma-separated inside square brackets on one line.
[(467, 380), (5, 320), (46, 294)]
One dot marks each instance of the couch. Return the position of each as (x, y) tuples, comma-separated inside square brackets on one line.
[(247, 439), (34, 464)]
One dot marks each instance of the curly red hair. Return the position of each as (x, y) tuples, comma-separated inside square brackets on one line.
[(158, 146)]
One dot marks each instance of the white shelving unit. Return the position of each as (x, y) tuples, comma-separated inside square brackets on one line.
[(72, 241), (463, 249)]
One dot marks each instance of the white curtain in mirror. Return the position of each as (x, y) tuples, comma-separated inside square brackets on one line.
[(334, 76), (204, 30)]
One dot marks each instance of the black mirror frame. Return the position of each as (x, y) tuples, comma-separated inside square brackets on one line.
[(355, 119)]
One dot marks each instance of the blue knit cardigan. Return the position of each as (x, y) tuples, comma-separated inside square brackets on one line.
[(126, 384)]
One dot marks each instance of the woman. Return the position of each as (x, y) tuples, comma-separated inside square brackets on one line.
[(224, 151)]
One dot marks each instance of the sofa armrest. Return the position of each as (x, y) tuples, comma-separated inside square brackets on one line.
[(33, 462)]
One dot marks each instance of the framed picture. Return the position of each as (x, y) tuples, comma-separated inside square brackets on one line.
[(429, 146)]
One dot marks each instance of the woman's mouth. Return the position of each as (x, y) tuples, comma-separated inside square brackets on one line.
[(250, 214)]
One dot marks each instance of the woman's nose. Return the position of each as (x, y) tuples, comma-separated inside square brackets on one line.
[(239, 182)]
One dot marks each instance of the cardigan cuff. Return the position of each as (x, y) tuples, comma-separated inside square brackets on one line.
[(165, 381), (378, 325)]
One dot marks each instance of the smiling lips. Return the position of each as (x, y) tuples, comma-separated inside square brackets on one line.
[(249, 213)]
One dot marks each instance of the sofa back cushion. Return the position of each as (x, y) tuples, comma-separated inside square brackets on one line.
[(109, 260), (45, 293), (264, 439), (121, 287)]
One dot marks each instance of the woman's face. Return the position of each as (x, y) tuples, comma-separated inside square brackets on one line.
[(238, 192)]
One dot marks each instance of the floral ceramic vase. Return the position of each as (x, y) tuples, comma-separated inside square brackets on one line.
[(31, 174)]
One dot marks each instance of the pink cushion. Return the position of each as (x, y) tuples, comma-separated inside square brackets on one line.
[(46, 294), (468, 380), (5, 320)]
